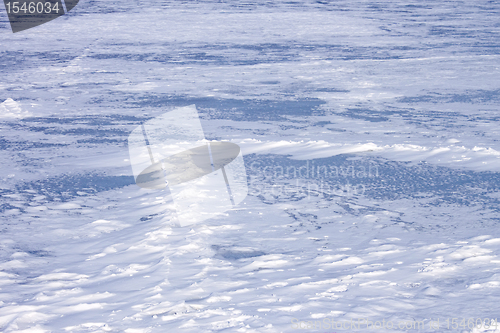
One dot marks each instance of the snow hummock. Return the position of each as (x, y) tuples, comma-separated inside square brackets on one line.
[(12, 109)]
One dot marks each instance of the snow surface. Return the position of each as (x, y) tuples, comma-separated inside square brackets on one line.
[(11, 109), (402, 93)]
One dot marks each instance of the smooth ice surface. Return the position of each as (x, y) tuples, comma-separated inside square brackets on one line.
[(368, 129)]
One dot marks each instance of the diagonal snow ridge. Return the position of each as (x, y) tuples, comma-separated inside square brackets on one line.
[(476, 158), (12, 109)]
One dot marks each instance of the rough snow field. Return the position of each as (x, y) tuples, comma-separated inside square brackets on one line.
[(386, 111)]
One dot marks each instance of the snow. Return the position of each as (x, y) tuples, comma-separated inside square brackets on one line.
[(12, 109), (369, 137)]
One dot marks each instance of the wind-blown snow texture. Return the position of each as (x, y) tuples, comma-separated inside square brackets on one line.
[(404, 94)]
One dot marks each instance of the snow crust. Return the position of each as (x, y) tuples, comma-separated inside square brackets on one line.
[(369, 132)]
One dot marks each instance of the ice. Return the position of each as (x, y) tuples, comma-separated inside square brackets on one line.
[(403, 93)]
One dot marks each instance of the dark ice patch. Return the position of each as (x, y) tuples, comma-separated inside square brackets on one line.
[(239, 110), (65, 187)]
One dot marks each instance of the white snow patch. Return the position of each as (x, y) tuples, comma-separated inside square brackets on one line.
[(12, 109)]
